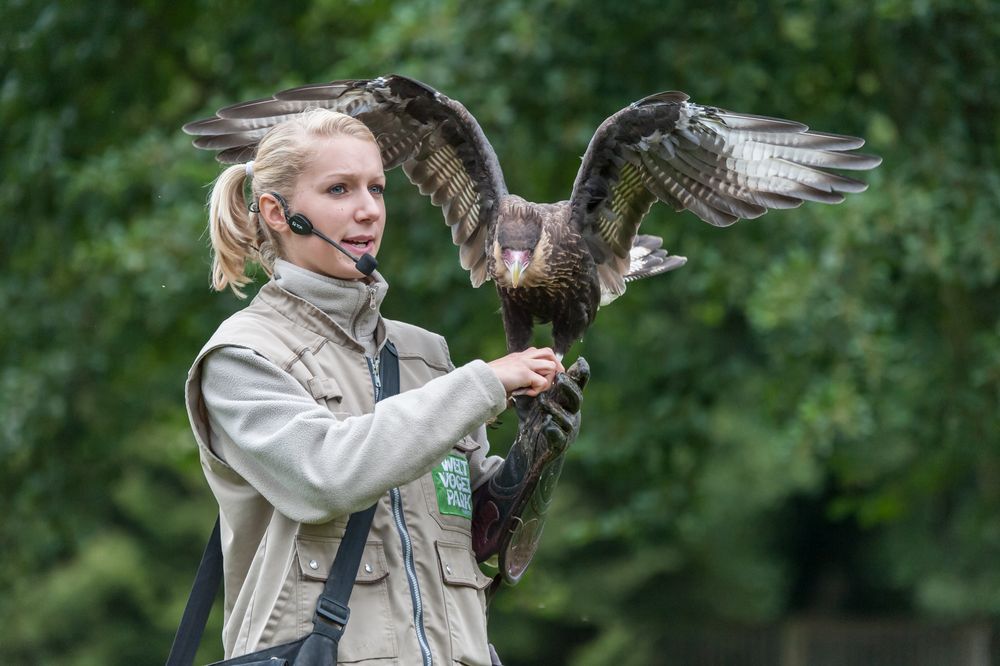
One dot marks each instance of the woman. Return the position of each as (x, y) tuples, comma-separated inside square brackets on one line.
[(281, 400)]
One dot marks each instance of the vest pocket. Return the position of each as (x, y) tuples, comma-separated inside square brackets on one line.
[(465, 601), (369, 633)]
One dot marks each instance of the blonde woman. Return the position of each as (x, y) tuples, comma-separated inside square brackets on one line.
[(282, 403)]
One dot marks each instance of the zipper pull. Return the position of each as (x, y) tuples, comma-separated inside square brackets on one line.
[(371, 297)]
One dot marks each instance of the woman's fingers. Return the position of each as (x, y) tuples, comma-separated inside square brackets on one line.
[(545, 362), (528, 372), (538, 382)]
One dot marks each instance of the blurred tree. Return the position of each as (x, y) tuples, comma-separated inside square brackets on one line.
[(823, 376)]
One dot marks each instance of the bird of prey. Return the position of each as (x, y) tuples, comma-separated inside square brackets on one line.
[(559, 262)]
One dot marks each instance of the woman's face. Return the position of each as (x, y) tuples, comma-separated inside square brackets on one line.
[(341, 194)]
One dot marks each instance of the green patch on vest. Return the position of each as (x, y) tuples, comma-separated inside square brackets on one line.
[(454, 489)]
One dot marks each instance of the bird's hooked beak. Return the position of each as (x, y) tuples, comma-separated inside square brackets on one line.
[(516, 262)]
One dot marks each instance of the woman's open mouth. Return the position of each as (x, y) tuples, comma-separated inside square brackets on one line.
[(362, 245)]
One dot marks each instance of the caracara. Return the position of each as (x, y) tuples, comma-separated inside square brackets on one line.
[(559, 262)]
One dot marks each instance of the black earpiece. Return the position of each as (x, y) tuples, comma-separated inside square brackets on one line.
[(301, 225), (298, 222)]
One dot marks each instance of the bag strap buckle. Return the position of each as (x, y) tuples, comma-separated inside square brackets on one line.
[(333, 611)]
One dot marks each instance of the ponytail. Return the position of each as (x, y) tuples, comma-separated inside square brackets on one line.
[(237, 236)]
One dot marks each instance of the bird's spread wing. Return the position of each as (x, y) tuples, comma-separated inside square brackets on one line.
[(722, 166), (440, 146)]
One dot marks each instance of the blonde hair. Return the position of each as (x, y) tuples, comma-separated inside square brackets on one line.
[(239, 236)]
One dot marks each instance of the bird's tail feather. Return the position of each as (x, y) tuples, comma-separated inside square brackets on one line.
[(646, 259)]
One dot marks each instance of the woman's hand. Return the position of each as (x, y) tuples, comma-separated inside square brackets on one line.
[(528, 372)]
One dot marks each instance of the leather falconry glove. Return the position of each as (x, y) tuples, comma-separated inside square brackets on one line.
[(509, 509)]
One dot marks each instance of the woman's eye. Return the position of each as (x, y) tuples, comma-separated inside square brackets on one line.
[(337, 189), (377, 189)]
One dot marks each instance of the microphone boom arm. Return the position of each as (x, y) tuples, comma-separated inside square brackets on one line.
[(366, 263)]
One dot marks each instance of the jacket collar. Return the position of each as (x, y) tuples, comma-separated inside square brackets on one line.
[(349, 308)]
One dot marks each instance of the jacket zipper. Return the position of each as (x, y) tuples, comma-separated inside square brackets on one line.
[(411, 575), (373, 368), (404, 537)]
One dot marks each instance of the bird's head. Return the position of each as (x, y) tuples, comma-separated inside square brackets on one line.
[(520, 245)]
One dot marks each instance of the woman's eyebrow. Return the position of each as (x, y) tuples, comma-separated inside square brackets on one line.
[(351, 175)]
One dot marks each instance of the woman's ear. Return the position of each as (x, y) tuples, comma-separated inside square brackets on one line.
[(273, 214)]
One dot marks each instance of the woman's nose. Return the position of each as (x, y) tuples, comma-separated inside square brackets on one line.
[(368, 209)]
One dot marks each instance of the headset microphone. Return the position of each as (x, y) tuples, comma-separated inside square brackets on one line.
[(301, 225)]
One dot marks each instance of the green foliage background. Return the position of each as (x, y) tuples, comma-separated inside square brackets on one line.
[(804, 420)]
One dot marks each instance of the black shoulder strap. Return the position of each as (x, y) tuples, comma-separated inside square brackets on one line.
[(206, 584), (332, 610)]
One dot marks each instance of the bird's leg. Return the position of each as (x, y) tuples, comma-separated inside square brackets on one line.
[(517, 322), (561, 343), (570, 321), (518, 338)]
